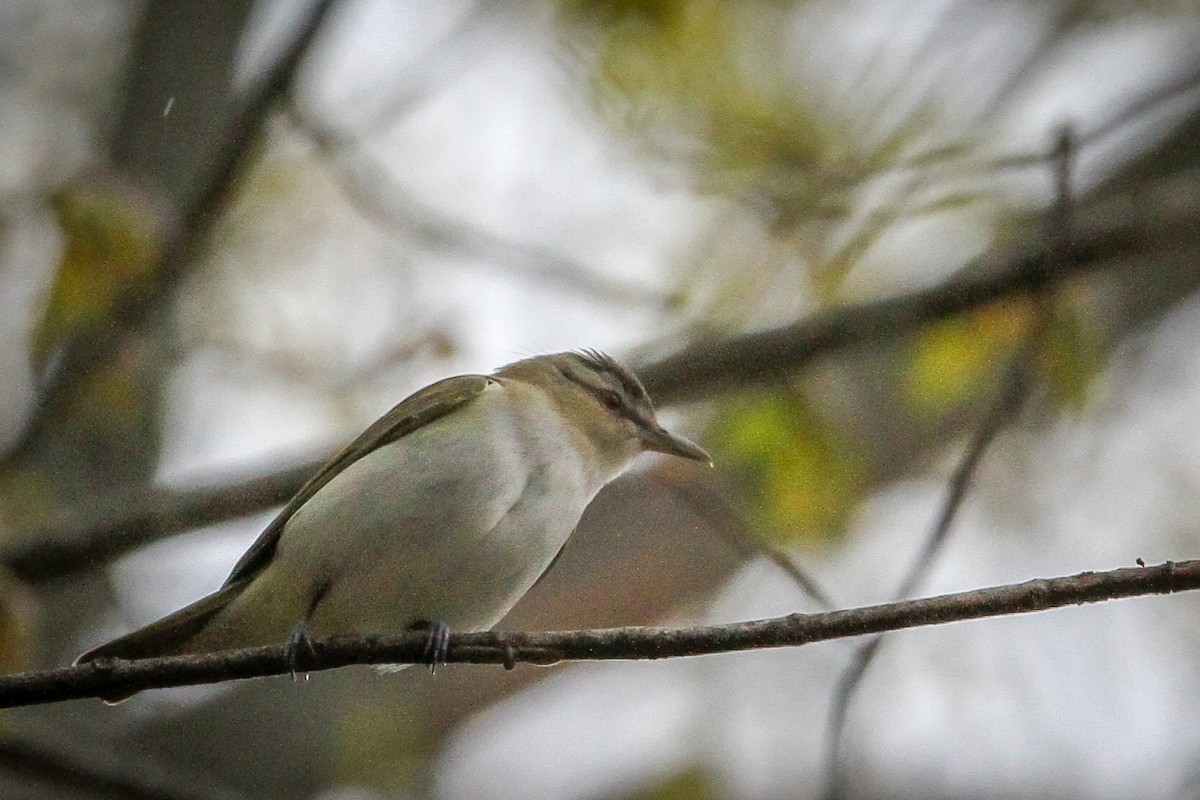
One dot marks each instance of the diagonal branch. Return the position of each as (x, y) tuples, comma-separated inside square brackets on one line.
[(716, 508), (180, 252), (1013, 390), (114, 677), (1163, 221), (1006, 405)]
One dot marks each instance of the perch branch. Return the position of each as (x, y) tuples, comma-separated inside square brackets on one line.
[(101, 678)]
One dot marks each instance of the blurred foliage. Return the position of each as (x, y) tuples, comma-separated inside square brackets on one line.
[(19, 621), (954, 362), (805, 458), (101, 431), (111, 250), (804, 475), (726, 91), (1072, 355), (714, 86), (690, 784), (680, 77)]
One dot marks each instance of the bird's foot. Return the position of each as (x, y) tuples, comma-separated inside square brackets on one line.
[(437, 642), (299, 645)]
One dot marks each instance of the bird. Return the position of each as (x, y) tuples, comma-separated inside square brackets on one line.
[(442, 513)]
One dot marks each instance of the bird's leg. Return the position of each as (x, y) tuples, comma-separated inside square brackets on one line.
[(437, 642), (299, 641)]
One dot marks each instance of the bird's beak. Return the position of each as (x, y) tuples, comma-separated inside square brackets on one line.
[(660, 440)]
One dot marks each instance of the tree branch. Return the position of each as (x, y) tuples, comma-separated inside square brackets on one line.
[(1163, 220), (102, 678), (76, 540)]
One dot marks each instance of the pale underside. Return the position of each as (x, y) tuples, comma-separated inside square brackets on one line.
[(452, 523)]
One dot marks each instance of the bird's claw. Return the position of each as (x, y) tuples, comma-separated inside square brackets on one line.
[(437, 643), (299, 644)]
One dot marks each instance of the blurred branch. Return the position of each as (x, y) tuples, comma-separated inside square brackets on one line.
[(180, 252), (1015, 387), (1172, 92), (78, 540), (370, 188), (1162, 220), (102, 678), (464, 46), (36, 763), (715, 507)]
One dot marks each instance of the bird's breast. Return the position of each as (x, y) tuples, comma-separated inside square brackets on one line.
[(453, 522)]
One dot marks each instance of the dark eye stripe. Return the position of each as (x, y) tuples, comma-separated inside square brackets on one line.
[(600, 372)]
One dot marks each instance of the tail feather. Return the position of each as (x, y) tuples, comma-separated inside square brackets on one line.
[(171, 635)]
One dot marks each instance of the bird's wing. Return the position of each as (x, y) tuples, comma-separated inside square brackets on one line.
[(419, 409)]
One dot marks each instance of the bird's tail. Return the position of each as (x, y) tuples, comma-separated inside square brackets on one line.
[(174, 634)]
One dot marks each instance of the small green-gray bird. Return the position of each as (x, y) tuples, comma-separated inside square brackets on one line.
[(446, 511)]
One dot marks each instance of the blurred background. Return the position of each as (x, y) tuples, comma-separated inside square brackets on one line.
[(876, 256)]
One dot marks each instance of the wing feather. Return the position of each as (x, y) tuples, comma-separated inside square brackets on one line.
[(419, 409)]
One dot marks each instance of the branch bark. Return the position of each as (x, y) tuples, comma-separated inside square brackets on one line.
[(99, 679)]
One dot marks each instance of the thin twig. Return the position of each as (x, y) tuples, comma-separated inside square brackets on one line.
[(1013, 390), (116, 677), (714, 507)]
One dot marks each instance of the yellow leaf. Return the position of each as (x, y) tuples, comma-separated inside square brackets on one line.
[(804, 476), (111, 250), (955, 361)]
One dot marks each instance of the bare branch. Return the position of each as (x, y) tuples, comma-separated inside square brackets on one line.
[(76, 540), (106, 678)]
